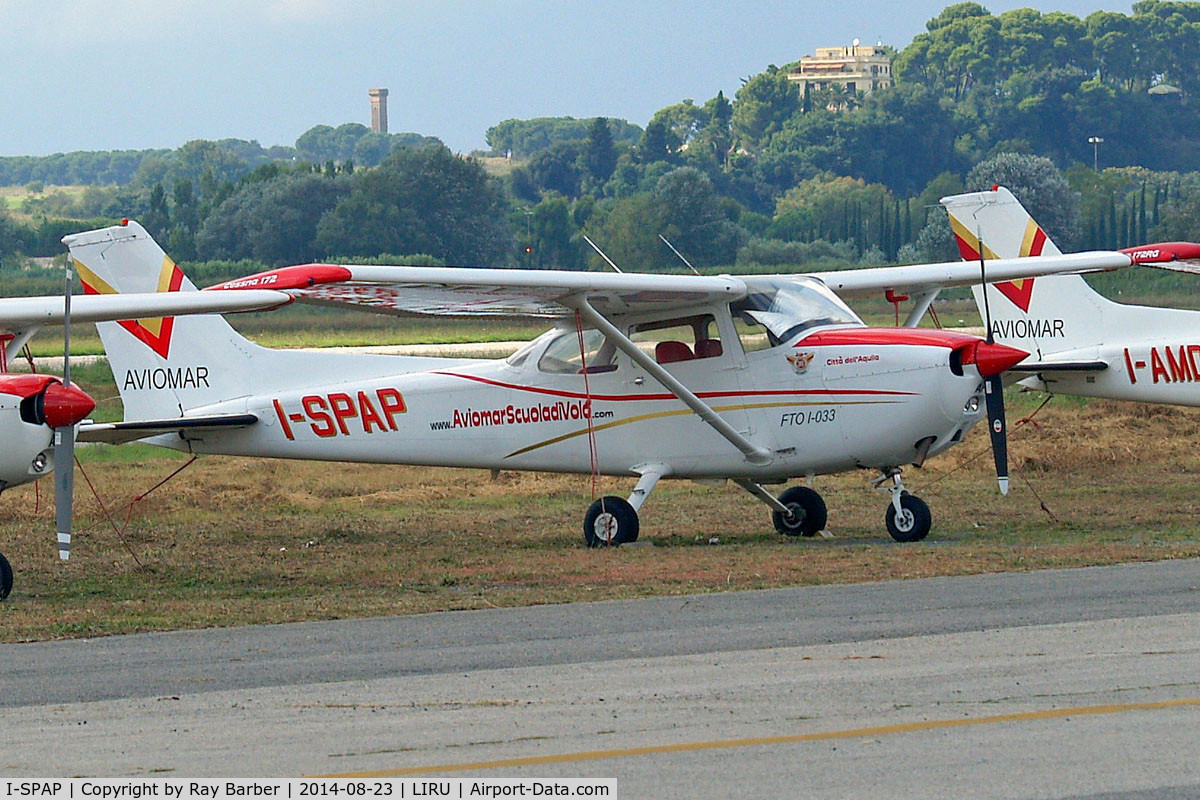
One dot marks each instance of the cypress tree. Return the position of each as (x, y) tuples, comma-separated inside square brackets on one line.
[(1112, 222), (1141, 234)]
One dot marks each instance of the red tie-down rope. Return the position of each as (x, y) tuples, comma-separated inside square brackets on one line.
[(120, 531), (1019, 473)]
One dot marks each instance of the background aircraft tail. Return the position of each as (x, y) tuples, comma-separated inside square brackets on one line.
[(1046, 315), (165, 368)]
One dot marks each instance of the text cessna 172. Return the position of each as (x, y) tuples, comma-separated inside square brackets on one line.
[(38, 413), (1080, 342), (755, 379)]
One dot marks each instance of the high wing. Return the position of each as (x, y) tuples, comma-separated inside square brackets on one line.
[(456, 291), (24, 312), (25, 316), (920, 278)]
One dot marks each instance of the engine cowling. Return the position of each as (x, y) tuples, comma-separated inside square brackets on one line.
[(31, 406)]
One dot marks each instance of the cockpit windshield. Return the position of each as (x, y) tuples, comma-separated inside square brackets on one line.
[(785, 307)]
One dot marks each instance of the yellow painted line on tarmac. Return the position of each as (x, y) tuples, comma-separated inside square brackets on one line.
[(759, 741)]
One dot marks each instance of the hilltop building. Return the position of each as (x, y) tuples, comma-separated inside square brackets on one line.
[(378, 110), (858, 68)]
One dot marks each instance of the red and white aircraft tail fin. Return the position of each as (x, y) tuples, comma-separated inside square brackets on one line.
[(1046, 315), (166, 365)]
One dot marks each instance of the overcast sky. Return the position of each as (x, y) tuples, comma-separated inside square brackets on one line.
[(133, 74)]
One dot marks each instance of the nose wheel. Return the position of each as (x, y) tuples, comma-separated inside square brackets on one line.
[(908, 518), (6, 577), (912, 522)]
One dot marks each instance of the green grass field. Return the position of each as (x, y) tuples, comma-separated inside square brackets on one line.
[(234, 541)]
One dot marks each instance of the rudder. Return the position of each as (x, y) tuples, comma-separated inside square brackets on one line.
[(1046, 315)]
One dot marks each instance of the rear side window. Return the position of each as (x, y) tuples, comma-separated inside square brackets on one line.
[(681, 339)]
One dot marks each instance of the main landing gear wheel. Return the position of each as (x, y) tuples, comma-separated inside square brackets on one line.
[(611, 521), (808, 512), (913, 522), (6, 577)]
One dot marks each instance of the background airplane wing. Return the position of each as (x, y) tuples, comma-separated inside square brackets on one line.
[(25, 312), (457, 291), (927, 277)]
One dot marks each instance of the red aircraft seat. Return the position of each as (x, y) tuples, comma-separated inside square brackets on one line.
[(708, 348), (669, 352)]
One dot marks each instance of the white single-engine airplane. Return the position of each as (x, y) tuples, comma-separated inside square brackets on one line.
[(1080, 342), (754, 379), (39, 413)]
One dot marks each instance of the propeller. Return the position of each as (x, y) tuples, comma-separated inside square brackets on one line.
[(64, 441), (991, 368)]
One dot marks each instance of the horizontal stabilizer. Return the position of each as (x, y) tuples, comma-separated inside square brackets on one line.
[(122, 432), (1060, 366)]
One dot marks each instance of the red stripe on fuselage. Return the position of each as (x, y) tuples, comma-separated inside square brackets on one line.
[(919, 337), (619, 398)]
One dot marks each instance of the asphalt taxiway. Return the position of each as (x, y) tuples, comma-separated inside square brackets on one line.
[(1057, 683)]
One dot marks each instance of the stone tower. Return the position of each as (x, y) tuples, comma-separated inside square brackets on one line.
[(378, 109)]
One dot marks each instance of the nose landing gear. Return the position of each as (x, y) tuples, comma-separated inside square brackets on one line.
[(908, 518), (800, 511)]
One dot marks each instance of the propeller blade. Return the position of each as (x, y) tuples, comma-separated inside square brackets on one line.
[(997, 427), (64, 441), (64, 486)]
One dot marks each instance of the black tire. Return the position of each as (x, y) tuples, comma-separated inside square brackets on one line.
[(808, 512), (915, 524), (6, 577), (610, 522)]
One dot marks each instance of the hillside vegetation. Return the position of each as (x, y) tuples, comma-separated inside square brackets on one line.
[(766, 179)]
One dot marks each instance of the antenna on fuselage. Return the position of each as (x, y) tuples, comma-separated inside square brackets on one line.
[(676, 252), (601, 252)]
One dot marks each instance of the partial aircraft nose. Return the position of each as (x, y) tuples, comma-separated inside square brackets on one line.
[(65, 405), (992, 359)]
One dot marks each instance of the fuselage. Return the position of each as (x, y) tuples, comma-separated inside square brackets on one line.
[(826, 400)]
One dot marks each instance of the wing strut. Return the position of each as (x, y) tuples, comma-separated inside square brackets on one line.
[(14, 346), (920, 306), (754, 454)]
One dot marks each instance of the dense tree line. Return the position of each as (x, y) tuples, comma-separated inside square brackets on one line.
[(522, 138), (766, 177), (228, 158)]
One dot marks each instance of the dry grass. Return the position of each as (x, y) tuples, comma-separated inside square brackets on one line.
[(237, 541)]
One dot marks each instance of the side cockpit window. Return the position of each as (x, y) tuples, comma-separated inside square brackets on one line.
[(564, 356)]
